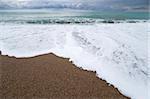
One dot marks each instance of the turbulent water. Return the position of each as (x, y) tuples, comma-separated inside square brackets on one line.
[(113, 45)]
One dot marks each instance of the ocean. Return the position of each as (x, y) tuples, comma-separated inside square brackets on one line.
[(68, 16), (115, 45)]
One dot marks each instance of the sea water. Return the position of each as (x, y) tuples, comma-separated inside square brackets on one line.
[(115, 45)]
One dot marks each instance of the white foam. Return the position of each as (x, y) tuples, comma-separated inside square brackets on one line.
[(117, 52)]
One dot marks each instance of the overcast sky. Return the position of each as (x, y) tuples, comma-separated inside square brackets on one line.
[(102, 5)]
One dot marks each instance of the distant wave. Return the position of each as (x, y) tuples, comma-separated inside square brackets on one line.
[(68, 21)]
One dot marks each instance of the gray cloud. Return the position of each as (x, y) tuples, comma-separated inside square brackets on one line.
[(114, 5)]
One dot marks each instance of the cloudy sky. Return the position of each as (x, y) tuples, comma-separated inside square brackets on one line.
[(111, 5)]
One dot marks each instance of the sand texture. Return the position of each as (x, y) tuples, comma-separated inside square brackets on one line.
[(50, 77)]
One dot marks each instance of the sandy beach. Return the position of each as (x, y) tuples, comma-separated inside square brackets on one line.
[(50, 77)]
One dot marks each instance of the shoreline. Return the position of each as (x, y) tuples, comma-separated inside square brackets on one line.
[(49, 76)]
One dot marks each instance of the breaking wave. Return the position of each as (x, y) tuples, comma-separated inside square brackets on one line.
[(67, 21)]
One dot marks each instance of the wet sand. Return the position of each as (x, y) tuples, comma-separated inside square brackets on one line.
[(50, 77)]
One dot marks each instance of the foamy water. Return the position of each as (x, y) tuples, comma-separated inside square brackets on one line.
[(117, 52)]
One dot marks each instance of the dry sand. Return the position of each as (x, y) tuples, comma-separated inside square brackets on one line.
[(50, 77)]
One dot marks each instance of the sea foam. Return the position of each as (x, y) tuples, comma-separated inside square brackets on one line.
[(117, 52)]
